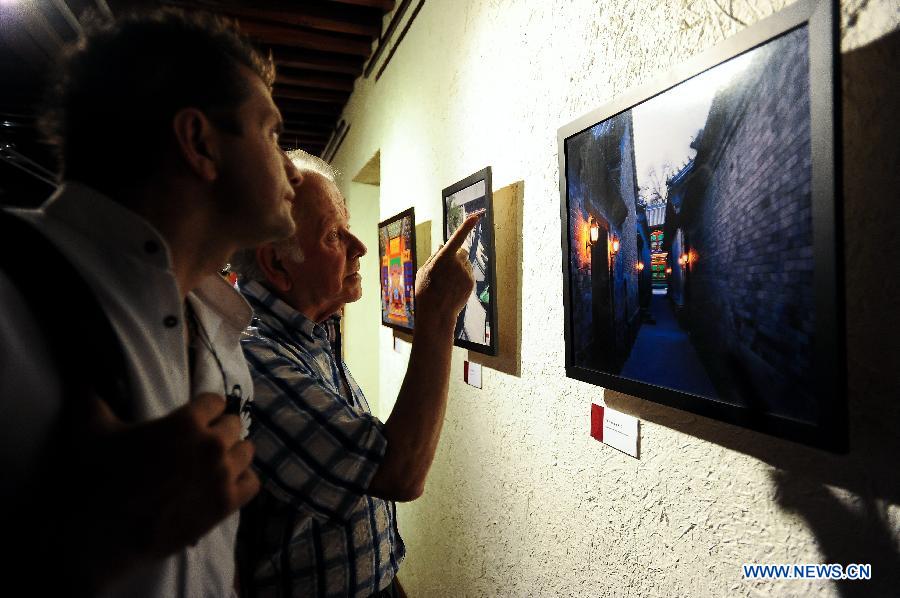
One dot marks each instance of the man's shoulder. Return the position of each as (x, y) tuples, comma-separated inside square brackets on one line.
[(268, 352)]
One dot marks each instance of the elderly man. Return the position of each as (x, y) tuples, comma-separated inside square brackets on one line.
[(325, 522), (121, 474)]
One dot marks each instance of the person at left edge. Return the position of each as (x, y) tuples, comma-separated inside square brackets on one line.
[(168, 138)]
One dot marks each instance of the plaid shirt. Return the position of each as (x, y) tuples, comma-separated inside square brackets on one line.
[(312, 530)]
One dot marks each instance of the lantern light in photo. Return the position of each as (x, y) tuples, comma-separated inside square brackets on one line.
[(594, 231)]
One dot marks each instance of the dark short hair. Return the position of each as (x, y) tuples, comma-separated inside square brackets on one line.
[(109, 112)]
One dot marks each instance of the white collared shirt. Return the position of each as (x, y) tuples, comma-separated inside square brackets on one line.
[(128, 265)]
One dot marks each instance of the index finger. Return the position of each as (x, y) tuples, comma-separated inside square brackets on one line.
[(456, 240)]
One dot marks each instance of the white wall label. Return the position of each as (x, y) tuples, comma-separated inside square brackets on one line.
[(472, 373), (616, 429)]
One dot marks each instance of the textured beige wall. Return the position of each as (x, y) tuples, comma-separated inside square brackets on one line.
[(521, 501)]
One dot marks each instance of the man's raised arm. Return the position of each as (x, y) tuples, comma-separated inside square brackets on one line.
[(443, 285)]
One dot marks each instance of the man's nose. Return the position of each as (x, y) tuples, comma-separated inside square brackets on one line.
[(359, 247)]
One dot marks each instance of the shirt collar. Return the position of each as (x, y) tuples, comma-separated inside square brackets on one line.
[(274, 312), (218, 293)]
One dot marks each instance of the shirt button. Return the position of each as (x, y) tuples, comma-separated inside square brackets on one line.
[(151, 246), (170, 321)]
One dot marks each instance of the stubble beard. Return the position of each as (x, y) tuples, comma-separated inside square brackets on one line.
[(287, 225)]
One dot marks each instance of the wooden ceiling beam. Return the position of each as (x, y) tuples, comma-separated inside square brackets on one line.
[(317, 61), (313, 15), (292, 106), (314, 80), (383, 5), (302, 19), (319, 47), (305, 38), (305, 119), (313, 95)]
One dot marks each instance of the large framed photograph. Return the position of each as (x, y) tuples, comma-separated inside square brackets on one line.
[(700, 235), (397, 270), (476, 327)]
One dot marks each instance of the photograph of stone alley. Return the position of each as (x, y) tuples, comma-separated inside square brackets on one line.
[(691, 263), (475, 325)]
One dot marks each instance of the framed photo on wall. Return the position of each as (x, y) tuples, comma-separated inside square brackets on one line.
[(397, 270), (476, 326), (701, 235)]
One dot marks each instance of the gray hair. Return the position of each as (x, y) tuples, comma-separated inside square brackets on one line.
[(306, 162), (244, 262)]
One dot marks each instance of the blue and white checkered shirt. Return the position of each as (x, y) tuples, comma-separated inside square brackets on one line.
[(312, 530)]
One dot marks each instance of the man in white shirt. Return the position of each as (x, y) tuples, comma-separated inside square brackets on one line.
[(168, 142)]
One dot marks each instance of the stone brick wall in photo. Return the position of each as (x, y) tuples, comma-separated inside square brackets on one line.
[(748, 221)]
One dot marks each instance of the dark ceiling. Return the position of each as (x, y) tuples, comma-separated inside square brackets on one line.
[(320, 47)]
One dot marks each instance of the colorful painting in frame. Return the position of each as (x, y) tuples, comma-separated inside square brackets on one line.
[(397, 270)]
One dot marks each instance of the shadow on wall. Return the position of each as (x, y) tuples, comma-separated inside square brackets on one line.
[(857, 528)]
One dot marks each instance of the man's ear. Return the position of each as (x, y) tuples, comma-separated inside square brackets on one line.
[(195, 136), (272, 266)]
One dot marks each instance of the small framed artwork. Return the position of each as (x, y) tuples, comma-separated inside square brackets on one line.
[(397, 270), (476, 326), (701, 235)]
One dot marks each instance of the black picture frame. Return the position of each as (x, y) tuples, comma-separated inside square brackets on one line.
[(483, 260), (406, 218), (750, 242)]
